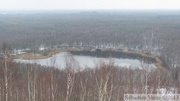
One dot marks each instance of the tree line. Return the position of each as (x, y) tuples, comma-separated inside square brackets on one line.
[(106, 82)]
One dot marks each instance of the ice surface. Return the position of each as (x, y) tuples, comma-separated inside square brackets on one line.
[(59, 61)]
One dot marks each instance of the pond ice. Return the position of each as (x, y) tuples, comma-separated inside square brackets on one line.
[(59, 61)]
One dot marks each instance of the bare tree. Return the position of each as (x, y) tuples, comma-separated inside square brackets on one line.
[(70, 69), (104, 81), (6, 49)]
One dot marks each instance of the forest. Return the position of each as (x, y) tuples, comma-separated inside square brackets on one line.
[(149, 32)]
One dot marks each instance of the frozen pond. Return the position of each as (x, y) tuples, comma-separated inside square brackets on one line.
[(61, 60)]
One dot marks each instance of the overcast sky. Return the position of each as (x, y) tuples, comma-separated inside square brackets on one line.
[(88, 4)]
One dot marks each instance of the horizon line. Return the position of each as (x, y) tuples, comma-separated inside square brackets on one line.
[(89, 9)]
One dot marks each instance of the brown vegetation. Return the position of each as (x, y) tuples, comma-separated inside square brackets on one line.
[(104, 83), (29, 56)]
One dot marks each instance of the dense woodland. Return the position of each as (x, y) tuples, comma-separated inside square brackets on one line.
[(89, 28), (134, 30)]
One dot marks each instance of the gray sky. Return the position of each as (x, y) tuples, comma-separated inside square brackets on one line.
[(88, 4)]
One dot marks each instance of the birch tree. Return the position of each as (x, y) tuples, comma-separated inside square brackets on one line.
[(6, 49)]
